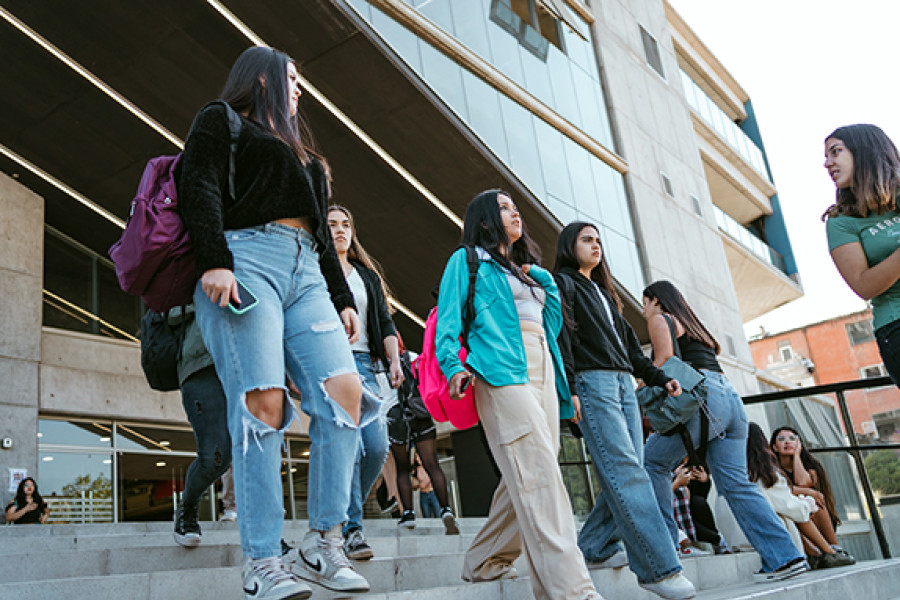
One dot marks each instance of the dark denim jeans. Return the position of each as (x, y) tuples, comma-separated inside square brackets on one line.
[(205, 406), (888, 338)]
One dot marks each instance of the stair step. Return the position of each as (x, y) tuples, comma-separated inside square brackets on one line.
[(872, 580)]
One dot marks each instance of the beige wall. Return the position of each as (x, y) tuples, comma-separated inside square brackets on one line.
[(21, 268), (654, 134)]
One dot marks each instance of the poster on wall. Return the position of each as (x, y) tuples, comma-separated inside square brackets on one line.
[(15, 478)]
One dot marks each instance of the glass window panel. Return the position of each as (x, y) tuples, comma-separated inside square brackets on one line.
[(611, 197), (506, 54), (149, 484), (402, 40), (553, 161), (138, 437), (469, 22), (444, 76), (485, 117), (562, 211), (67, 274), (362, 7), (579, 170), (560, 70), (77, 486), (299, 449), (623, 261), (537, 77), (524, 158), (438, 12), (116, 307), (75, 433), (593, 108), (300, 476), (581, 52)]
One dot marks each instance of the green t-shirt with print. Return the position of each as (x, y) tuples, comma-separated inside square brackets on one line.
[(879, 236)]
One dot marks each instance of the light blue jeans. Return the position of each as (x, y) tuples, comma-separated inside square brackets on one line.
[(726, 456), (626, 510), (294, 328), (373, 450)]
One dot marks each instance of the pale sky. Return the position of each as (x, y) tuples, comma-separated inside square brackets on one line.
[(809, 66)]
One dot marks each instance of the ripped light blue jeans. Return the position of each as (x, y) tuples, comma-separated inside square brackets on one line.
[(294, 329), (373, 450)]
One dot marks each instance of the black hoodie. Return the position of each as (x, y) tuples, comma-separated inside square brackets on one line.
[(593, 345)]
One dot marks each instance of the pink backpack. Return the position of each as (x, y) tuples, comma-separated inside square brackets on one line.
[(433, 386), (154, 258)]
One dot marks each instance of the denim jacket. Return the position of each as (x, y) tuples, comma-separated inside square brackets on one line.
[(497, 353)]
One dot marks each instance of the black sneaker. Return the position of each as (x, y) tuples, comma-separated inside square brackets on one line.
[(356, 546), (790, 569), (449, 520), (408, 520), (187, 530)]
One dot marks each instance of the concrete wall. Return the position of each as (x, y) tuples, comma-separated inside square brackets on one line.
[(655, 134), (21, 274)]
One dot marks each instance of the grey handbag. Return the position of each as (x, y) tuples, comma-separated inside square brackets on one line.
[(666, 412)]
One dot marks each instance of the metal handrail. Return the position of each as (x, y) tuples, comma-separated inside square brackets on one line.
[(853, 448)]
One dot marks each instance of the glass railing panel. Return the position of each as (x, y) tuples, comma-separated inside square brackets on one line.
[(747, 239), (729, 131)]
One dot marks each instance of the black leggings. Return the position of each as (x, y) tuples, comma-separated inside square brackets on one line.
[(703, 519), (427, 451)]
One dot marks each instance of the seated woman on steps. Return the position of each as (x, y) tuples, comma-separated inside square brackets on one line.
[(794, 510)]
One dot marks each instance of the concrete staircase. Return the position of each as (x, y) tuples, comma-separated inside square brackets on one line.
[(140, 561)]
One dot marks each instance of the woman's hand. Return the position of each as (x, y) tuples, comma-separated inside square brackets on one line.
[(526, 268), (698, 473), (577, 403), (456, 382), (351, 324), (31, 506), (673, 387), (682, 477), (45, 516), (219, 286), (396, 374)]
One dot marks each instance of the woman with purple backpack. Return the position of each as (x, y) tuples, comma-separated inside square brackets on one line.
[(272, 298)]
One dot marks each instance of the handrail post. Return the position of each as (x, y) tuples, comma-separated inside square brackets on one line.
[(863, 475)]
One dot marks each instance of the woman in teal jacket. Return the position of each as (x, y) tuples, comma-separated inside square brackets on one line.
[(520, 392)]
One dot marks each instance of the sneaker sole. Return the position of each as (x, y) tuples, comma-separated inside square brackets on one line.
[(317, 579), (364, 554), (786, 574), (301, 595), (450, 524), (186, 541), (408, 525)]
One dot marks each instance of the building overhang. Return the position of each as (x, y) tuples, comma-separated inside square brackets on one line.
[(760, 287)]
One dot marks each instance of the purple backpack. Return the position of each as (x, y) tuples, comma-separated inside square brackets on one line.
[(154, 258)]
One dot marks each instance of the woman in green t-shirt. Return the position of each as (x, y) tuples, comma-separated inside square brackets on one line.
[(863, 227)]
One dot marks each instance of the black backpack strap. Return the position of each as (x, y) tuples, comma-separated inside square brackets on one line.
[(234, 128), (469, 310), (675, 349)]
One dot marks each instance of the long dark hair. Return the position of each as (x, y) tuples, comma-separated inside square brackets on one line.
[(876, 172), (267, 102), (21, 499), (566, 256), (823, 484), (672, 302), (761, 462), (483, 227), (358, 253)]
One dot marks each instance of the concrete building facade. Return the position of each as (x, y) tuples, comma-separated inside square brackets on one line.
[(612, 112)]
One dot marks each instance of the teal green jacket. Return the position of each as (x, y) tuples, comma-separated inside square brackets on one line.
[(497, 353)]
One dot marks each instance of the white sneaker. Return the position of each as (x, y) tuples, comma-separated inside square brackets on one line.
[(616, 561), (674, 587), (229, 515), (321, 559), (268, 579)]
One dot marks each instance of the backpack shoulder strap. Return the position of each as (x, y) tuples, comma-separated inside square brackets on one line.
[(234, 128), (675, 349), (469, 314), (567, 287)]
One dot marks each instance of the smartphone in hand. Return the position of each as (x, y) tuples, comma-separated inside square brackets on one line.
[(464, 385), (248, 299)]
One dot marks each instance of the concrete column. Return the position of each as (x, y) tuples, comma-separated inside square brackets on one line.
[(21, 279)]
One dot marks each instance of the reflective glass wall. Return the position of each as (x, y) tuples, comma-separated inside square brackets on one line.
[(571, 182)]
